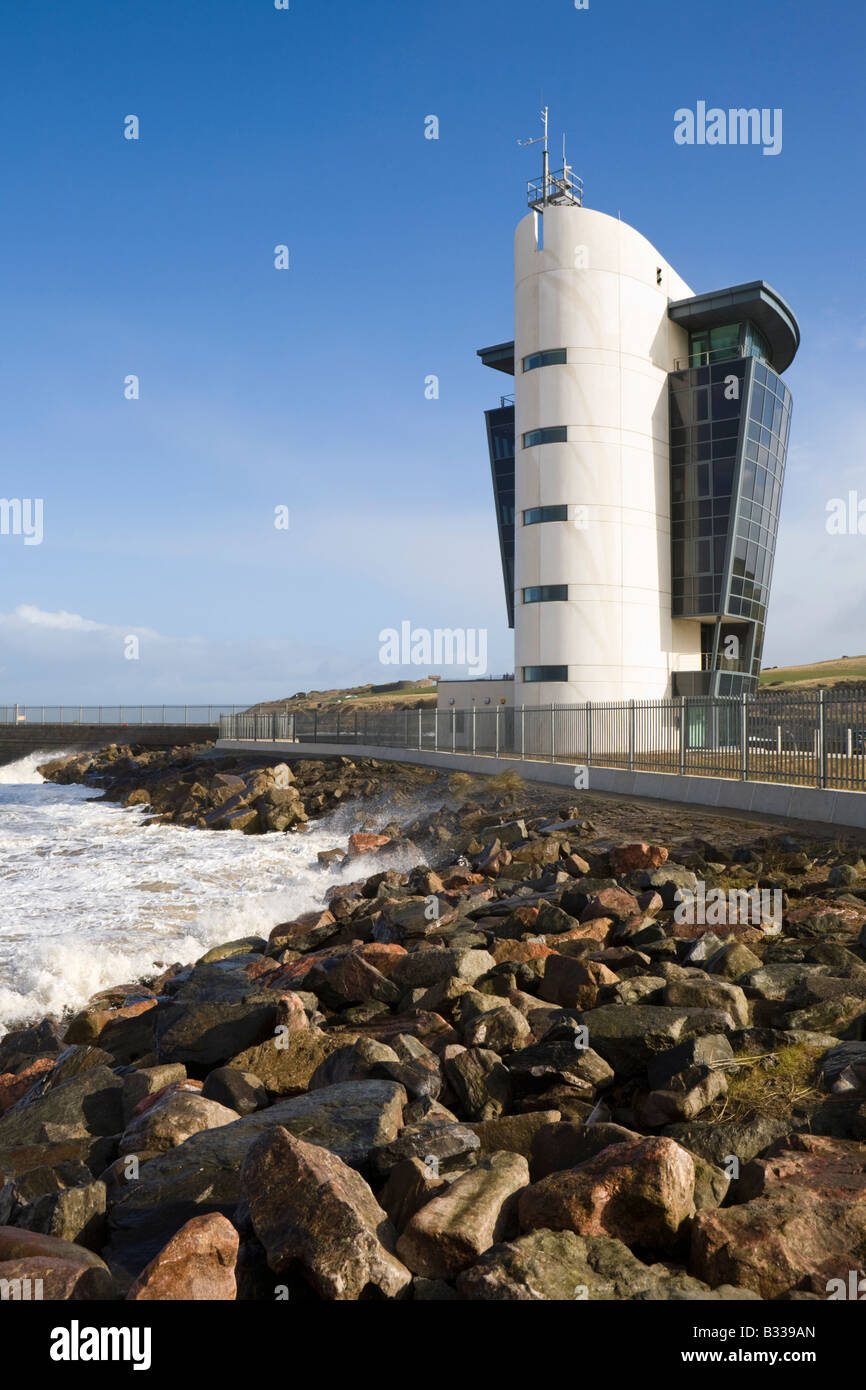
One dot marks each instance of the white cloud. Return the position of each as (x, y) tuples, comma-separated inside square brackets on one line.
[(67, 622)]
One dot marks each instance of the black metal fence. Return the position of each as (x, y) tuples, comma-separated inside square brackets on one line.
[(814, 739), (115, 714)]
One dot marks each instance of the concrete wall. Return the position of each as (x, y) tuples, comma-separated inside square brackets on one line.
[(772, 799), (593, 290), (18, 740)]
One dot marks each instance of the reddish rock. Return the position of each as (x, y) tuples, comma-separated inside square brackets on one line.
[(147, 1102), (172, 1121), (293, 974), (639, 1192), (627, 859), (520, 951), (350, 979), (285, 933), (88, 1026), (574, 865), (308, 1207), (43, 1279), (780, 1242), (616, 903), (599, 929), (68, 1270), (197, 1263), (449, 1232), (492, 861), (804, 1225), (650, 902), (14, 1085), (574, 984), (362, 843), (522, 919), (411, 1185), (382, 955), (262, 966), (820, 1165)]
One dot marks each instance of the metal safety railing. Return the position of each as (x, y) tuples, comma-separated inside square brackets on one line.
[(131, 715), (816, 739)]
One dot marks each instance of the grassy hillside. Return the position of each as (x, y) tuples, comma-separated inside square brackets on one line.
[(843, 671), (397, 695)]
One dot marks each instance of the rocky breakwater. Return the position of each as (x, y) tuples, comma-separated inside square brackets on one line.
[(514, 1076), (186, 786)]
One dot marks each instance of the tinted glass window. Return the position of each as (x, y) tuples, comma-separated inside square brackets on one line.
[(557, 435), (553, 358), (546, 593), (545, 673), (537, 514)]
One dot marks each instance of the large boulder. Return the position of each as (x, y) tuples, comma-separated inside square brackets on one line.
[(86, 1104), (569, 1143), (641, 1192), (629, 1037), (699, 993), (197, 1263), (171, 1121), (480, 1082), (68, 1271), (421, 969), (76, 1214), (308, 1207), (452, 1230), (204, 1033), (559, 1266), (805, 1227), (203, 1174), (285, 1065)]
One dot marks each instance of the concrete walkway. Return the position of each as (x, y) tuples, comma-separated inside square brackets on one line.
[(775, 799)]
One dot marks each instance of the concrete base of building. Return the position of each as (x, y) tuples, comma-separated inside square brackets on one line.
[(777, 800)]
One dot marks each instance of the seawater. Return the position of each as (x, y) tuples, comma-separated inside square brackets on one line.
[(92, 896)]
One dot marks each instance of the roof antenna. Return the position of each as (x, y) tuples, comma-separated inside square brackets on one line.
[(539, 139), (561, 188)]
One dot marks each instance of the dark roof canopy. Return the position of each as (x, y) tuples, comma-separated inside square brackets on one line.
[(500, 357), (756, 301)]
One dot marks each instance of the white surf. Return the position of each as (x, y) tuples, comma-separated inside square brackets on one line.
[(91, 896)]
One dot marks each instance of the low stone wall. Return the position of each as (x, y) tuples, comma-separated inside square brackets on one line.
[(776, 799), (17, 740)]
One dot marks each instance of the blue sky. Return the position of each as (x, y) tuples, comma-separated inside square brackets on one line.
[(305, 388)]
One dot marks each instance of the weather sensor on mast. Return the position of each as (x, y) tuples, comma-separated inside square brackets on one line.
[(559, 188)]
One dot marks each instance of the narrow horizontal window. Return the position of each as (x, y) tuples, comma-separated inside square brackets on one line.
[(556, 357), (557, 435), (536, 514), (544, 673), (546, 593)]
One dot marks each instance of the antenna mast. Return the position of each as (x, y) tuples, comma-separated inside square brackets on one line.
[(561, 188)]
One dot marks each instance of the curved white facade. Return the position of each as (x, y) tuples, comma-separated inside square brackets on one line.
[(599, 290)]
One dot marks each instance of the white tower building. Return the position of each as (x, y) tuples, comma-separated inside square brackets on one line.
[(636, 565)]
